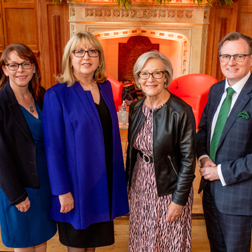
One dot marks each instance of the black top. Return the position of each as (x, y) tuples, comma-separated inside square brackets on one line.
[(106, 123)]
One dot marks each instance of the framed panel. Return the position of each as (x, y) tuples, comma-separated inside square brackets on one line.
[(21, 27), (2, 45)]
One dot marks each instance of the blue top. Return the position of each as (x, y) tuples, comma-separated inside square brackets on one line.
[(34, 227), (75, 151)]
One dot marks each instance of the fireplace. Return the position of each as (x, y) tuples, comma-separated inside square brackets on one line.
[(178, 30)]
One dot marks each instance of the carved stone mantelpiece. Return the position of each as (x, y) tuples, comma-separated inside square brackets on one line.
[(184, 22)]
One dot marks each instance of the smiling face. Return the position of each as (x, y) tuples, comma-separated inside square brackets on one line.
[(19, 78), (84, 67), (232, 70), (153, 87)]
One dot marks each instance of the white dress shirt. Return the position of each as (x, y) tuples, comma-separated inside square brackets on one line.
[(237, 88)]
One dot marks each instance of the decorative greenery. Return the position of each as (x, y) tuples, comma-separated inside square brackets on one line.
[(127, 3), (210, 2)]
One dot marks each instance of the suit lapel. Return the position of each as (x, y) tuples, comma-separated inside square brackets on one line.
[(16, 111), (239, 105)]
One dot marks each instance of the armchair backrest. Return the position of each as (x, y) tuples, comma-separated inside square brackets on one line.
[(191, 84), (117, 88), (193, 89)]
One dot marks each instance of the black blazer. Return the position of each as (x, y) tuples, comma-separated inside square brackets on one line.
[(18, 167), (174, 147)]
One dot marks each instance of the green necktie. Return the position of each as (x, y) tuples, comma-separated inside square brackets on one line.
[(222, 118)]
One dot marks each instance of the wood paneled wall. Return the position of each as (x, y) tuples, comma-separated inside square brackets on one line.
[(54, 34), (43, 26), (40, 24), (237, 17)]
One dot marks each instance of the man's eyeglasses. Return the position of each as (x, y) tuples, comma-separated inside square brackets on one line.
[(237, 57), (81, 53), (15, 66), (156, 74)]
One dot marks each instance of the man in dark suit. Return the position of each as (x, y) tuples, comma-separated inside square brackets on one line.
[(225, 149)]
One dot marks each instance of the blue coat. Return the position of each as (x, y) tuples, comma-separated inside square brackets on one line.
[(75, 152)]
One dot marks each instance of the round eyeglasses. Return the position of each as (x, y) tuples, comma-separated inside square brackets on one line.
[(237, 57), (15, 66), (156, 74), (81, 53)]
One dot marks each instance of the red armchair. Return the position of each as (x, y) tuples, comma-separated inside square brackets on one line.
[(193, 89), (117, 88)]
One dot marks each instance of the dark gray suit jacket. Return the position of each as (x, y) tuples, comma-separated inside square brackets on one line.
[(18, 167), (234, 151)]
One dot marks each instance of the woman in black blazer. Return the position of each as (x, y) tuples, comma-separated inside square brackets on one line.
[(25, 190)]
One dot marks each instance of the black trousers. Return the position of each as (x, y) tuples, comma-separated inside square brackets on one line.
[(226, 232)]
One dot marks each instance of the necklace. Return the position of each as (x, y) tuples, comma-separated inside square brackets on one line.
[(31, 108), (95, 84)]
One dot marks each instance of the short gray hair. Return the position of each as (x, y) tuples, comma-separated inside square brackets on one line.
[(141, 61)]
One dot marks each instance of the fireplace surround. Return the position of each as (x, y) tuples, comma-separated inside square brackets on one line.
[(179, 28)]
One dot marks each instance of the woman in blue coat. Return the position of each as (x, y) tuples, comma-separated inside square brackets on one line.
[(83, 148)]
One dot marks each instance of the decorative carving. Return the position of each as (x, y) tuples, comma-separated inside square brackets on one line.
[(162, 13), (98, 12), (189, 14), (206, 14), (125, 13), (132, 13), (89, 12), (153, 13), (180, 13), (137, 13), (171, 14), (107, 13), (71, 12), (116, 13), (146, 14), (72, 28)]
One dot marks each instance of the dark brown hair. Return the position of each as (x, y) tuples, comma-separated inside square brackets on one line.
[(232, 36), (24, 52)]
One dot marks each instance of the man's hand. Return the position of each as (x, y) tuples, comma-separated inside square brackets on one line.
[(209, 169), (24, 205), (66, 202)]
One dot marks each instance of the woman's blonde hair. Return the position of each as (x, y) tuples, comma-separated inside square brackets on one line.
[(67, 71), (141, 61)]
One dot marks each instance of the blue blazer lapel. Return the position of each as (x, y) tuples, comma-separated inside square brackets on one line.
[(239, 105), (16, 111), (87, 102)]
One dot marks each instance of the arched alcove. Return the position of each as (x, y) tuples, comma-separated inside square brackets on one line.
[(173, 45)]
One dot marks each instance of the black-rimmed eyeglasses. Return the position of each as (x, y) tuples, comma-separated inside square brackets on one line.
[(15, 66), (81, 53), (237, 57), (156, 74)]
